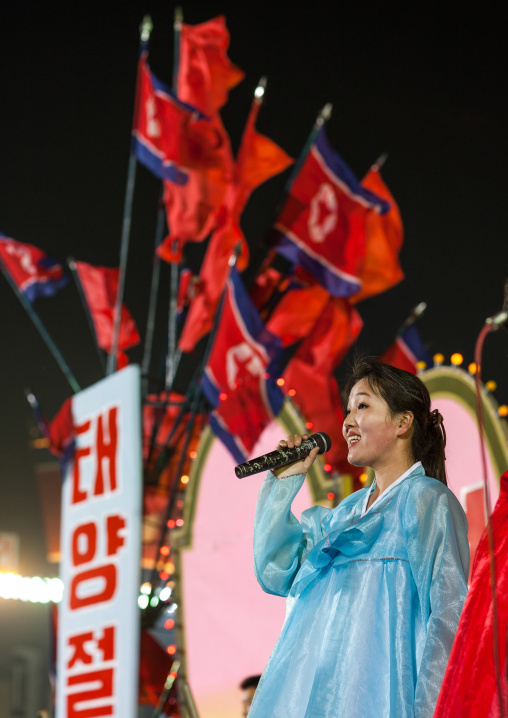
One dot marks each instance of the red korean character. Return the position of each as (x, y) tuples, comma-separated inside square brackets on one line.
[(103, 694)]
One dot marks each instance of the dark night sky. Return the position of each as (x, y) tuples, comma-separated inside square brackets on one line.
[(424, 84)]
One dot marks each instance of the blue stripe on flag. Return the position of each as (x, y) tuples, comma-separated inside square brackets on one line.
[(210, 389), (253, 322), (257, 330), (227, 439), (413, 340), (340, 169), (44, 288), (335, 283), (153, 162), (259, 334)]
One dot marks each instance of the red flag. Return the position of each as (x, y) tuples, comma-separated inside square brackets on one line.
[(469, 685), (267, 282), (33, 272), (240, 377), (333, 335), (258, 159), (298, 310), (384, 235), (165, 128), (400, 356), (318, 398), (407, 350), (60, 430), (205, 73), (189, 287), (322, 225), (309, 374), (194, 209), (100, 286), (213, 274)]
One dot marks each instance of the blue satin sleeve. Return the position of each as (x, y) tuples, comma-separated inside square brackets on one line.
[(281, 542), (435, 527)]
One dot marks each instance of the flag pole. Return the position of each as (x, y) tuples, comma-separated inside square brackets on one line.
[(170, 679), (323, 117), (195, 383), (72, 266), (378, 164), (415, 314), (57, 355), (34, 405), (144, 32), (177, 31), (152, 308), (173, 358)]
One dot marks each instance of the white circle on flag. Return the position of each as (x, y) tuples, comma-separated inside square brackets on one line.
[(320, 223), (242, 356)]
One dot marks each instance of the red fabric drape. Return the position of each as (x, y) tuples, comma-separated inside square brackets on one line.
[(469, 685)]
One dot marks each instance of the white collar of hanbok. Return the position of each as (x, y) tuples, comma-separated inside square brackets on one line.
[(365, 510)]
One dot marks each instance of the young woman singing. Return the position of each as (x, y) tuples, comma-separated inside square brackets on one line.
[(375, 586)]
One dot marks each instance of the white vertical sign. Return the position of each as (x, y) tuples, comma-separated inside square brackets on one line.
[(98, 631)]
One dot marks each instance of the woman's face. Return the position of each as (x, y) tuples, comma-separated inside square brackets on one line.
[(369, 429)]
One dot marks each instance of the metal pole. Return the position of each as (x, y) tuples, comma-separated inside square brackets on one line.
[(145, 29), (150, 324), (323, 117), (170, 679), (124, 251), (42, 331), (171, 359)]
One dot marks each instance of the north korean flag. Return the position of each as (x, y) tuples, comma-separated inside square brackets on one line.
[(34, 273), (322, 225), (160, 123), (240, 379), (407, 350), (100, 287)]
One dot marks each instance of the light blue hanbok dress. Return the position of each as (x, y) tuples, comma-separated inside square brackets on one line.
[(373, 599)]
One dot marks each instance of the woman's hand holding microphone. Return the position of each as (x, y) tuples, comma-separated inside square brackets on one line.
[(297, 467)]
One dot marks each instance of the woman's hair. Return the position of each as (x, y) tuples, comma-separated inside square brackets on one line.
[(403, 391)]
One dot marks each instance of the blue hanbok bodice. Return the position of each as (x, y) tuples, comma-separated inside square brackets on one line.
[(373, 601)]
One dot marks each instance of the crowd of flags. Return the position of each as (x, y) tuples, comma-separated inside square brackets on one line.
[(339, 239)]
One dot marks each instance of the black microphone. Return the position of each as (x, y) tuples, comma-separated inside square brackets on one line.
[(284, 456)]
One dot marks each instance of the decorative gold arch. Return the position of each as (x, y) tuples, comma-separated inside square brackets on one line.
[(454, 383)]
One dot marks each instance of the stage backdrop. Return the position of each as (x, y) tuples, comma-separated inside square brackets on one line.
[(229, 624)]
